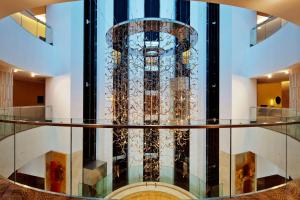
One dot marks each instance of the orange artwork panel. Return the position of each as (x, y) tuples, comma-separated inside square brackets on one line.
[(56, 172)]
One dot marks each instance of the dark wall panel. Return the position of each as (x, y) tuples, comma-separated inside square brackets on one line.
[(183, 11), (90, 79), (182, 152), (212, 99), (152, 8), (120, 11)]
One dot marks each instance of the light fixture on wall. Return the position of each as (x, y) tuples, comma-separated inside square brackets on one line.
[(33, 75), (16, 70), (271, 102), (269, 75)]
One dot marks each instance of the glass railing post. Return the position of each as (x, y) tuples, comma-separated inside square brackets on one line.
[(286, 152), (230, 161), (71, 157), (15, 154)]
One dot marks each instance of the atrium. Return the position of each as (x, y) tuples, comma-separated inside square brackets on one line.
[(149, 99)]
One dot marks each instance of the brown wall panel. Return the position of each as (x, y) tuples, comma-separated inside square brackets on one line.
[(25, 93)]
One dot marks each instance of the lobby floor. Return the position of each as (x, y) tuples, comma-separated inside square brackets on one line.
[(10, 191)]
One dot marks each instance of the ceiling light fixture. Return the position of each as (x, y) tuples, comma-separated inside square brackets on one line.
[(269, 75)]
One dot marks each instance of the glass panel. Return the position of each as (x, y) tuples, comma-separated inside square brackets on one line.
[(293, 156), (265, 30), (225, 161), (76, 162), (247, 163), (43, 157), (34, 26), (7, 149), (258, 158)]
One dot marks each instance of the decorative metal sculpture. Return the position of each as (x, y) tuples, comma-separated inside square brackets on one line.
[(150, 69)]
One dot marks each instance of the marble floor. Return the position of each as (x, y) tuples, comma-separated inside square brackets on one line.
[(10, 191)]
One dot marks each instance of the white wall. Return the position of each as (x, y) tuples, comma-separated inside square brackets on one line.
[(30, 145), (65, 91), (36, 167), (244, 96), (77, 60), (59, 18), (235, 25), (238, 93), (23, 50), (226, 61), (279, 51), (243, 21), (58, 96), (265, 168)]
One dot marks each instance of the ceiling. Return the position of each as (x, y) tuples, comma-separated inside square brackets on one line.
[(26, 77), (22, 75), (276, 77), (8, 7), (287, 9)]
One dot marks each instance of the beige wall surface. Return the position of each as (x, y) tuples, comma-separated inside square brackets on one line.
[(267, 92), (6, 85), (25, 93)]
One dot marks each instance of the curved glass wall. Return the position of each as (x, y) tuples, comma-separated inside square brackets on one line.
[(34, 26), (265, 29), (253, 157)]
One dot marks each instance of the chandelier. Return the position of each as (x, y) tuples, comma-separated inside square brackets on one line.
[(151, 78)]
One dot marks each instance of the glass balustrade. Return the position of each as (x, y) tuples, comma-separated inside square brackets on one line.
[(253, 156), (273, 115), (265, 29), (33, 113), (34, 26)]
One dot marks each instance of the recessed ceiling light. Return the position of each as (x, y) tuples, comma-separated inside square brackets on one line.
[(41, 17)]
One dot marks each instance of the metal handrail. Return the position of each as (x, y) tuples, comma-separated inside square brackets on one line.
[(34, 26), (31, 15), (265, 22), (132, 126), (254, 31)]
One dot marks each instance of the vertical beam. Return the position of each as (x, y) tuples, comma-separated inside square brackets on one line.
[(182, 153), (90, 79), (120, 86), (212, 99), (151, 99)]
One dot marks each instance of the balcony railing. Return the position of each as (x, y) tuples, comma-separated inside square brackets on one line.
[(265, 29), (66, 174), (259, 114), (34, 26), (33, 113), (273, 115)]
